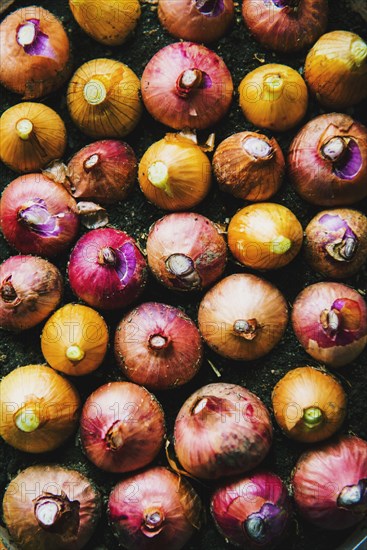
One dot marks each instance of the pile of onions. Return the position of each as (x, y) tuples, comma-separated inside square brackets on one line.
[(222, 430), (51, 507)]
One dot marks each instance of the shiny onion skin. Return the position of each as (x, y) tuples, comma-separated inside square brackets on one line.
[(38, 216), (286, 26), (249, 166), (106, 269), (330, 322), (329, 483), (35, 52), (222, 430), (309, 404), (253, 511), (154, 510), (48, 506), (30, 289), (327, 161), (158, 346), (196, 20), (243, 317), (186, 85), (39, 409), (122, 427), (336, 242), (186, 252)]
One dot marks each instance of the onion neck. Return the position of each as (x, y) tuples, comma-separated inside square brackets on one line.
[(153, 521), (280, 245), (107, 256), (74, 353), (158, 341), (183, 268), (57, 513), (258, 148), (27, 34), (28, 419), (246, 328), (90, 163), (262, 526), (334, 149), (8, 292), (24, 129), (210, 8), (354, 497), (95, 92), (189, 80), (358, 52), (313, 417), (158, 176), (115, 436), (330, 320), (273, 87)]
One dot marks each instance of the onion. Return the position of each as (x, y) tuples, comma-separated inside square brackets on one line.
[(221, 430), (153, 510), (122, 427), (330, 321), (51, 507)]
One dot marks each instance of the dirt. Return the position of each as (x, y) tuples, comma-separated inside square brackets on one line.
[(241, 54)]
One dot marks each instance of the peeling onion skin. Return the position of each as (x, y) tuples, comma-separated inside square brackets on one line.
[(321, 474), (160, 493), (72, 529)]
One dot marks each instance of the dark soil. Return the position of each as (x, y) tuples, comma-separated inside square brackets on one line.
[(242, 54)]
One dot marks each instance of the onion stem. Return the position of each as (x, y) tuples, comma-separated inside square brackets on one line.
[(273, 87), (47, 513), (94, 92), (158, 342), (190, 79), (359, 52), (334, 148), (107, 256), (313, 417), (153, 519), (26, 419), (91, 162), (245, 328), (158, 176), (180, 265), (280, 245), (26, 34), (257, 148), (74, 353), (24, 128)]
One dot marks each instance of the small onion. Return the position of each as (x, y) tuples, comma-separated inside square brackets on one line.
[(30, 288), (327, 161), (154, 510), (122, 427), (330, 484), (186, 252), (103, 99), (39, 409), (51, 507), (309, 404), (186, 85), (243, 317), (38, 216), (273, 96), (158, 346), (174, 173), (252, 512), (106, 269), (221, 430), (265, 236), (330, 322), (250, 166)]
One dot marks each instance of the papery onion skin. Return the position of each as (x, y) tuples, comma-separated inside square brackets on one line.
[(199, 106), (41, 67), (154, 494), (222, 430), (39, 409), (77, 502), (30, 289), (321, 475), (122, 427), (330, 322), (158, 346), (195, 242), (309, 404), (243, 317), (106, 269)]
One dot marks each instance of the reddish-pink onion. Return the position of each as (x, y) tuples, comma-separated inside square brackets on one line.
[(106, 269), (221, 430), (122, 427), (158, 346), (154, 510), (186, 85), (330, 483), (330, 321)]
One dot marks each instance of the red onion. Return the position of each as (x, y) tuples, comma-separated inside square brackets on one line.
[(51, 507), (330, 321), (330, 483), (158, 346), (221, 430), (154, 510), (38, 216), (106, 269), (30, 288), (186, 85), (252, 512), (122, 427)]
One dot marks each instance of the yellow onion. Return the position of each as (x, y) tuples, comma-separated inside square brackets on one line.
[(103, 98), (32, 135), (39, 409), (174, 173), (107, 22), (273, 96), (74, 340), (309, 404), (336, 69)]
